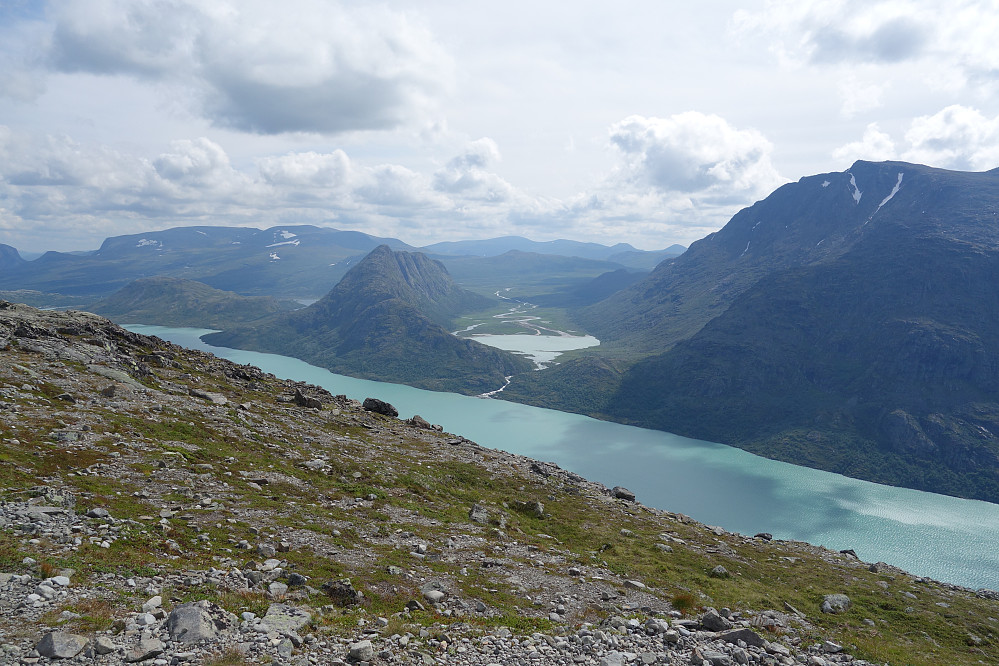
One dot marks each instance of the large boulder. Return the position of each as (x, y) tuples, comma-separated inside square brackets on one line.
[(190, 623), (379, 407), (835, 603), (60, 645)]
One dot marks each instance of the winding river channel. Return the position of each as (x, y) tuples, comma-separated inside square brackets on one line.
[(942, 537)]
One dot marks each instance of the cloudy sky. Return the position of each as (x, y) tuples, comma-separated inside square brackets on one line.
[(649, 122)]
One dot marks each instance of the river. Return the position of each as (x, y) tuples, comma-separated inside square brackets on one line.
[(945, 538)]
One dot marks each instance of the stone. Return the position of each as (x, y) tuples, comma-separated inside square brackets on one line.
[(634, 585), (766, 536), (720, 572), (61, 645), (103, 645), (361, 651), (277, 589), (835, 603), (746, 635), (283, 618), (714, 657), (478, 514), (307, 401), (190, 623), (214, 398), (341, 593), (434, 596), (148, 647), (712, 621), (98, 512), (419, 422), (296, 580), (379, 407), (620, 492)]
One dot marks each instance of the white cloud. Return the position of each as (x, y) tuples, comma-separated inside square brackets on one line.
[(315, 66), (467, 175), (859, 96), (875, 146), (309, 169), (695, 153), (956, 137), (958, 35)]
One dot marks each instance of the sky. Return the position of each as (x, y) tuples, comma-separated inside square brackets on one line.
[(649, 122)]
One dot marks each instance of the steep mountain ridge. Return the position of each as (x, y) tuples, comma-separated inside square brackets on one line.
[(848, 322), (10, 258), (386, 320), (814, 220)]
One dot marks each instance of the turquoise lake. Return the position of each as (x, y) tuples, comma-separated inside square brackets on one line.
[(945, 538)]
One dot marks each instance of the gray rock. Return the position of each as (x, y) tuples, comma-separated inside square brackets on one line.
[(103, 645), (296, 580), (379, 407), (361, 651), (419, 422), (190, 623), (98, 512), (283, 618), (478, 514), (620, 492), (434, 596), (746, 635), (61, 645), (835, 603), (148, 647), (214, 398), (712, 621), (341, 593), (714, 657), (720, 572), (277, 589)]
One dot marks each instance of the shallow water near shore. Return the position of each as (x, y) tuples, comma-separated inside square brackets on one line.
[(945, 538)]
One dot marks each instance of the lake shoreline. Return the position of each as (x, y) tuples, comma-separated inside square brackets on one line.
[(933, 536)]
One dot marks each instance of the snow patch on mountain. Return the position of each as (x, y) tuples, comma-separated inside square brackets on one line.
[(289, 242), (894, 191), (146, 242), (856, 190)]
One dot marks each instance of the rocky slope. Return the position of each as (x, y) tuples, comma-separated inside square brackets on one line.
[(163, 506), (385, 320)]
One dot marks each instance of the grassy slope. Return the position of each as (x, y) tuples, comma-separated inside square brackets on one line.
[(914, 621)]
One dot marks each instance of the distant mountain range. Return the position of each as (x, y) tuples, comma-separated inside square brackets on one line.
[(621, 253), (166, 301), (850, 321), (388, 319), (285, 262)]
